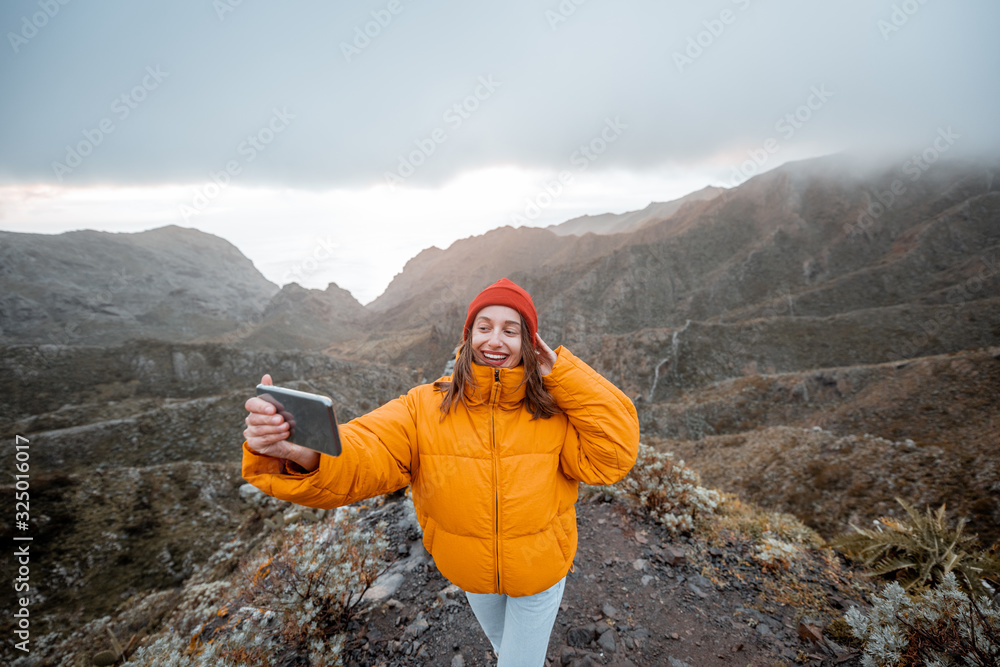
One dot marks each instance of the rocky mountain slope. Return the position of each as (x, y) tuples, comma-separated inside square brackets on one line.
[(306, 319), (787, 244), (134, 455), (836, 446), (657, 364), (171, 284), (639, 594), (781, 259), (147, 403), (102, 288)]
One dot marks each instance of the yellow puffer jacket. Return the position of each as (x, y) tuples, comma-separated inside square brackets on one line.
[(493, 489)]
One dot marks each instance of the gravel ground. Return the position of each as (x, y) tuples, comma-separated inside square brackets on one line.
[(624, 604)]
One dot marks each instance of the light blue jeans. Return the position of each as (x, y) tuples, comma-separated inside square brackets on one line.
[(518, 628)]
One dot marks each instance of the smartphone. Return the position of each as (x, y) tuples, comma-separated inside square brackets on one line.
[(311, 418)]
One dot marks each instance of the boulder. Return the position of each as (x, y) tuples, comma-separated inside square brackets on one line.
[(673, 555), (581, 637), (417, 627), (251, 495), (810, 632), (607, 641)]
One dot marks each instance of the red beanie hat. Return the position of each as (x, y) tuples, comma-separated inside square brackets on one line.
[(504, 293)]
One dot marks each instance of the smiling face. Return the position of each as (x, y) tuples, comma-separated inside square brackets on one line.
[(496, 337)]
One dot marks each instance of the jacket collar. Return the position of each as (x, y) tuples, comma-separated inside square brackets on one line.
[(512, 391)]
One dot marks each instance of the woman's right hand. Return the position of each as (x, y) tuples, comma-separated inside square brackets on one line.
[(266, 431)]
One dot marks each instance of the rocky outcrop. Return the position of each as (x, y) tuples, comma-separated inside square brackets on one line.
[(306, 319)]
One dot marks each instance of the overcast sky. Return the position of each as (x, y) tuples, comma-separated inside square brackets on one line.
[(331, 141)]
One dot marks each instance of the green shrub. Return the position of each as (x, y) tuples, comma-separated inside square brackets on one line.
[(943, 626), (921, 551)]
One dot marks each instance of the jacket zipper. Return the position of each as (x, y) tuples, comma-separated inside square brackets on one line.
[(496, 472)]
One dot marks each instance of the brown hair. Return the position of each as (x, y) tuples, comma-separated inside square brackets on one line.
[(539, 401)]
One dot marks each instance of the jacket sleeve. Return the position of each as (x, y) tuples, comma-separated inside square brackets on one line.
[(378, 451), (604, 428)]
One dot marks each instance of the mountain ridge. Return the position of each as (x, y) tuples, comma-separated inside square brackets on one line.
[(102, 287), (615, 223)]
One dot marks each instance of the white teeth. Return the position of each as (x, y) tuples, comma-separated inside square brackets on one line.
[(496, 357)]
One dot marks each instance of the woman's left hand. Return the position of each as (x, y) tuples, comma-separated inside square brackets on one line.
[(546, 357)]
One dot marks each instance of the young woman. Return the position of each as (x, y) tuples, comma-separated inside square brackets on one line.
[(494, 455)]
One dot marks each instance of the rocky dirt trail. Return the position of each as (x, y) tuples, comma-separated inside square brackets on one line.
[(636, 597)]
